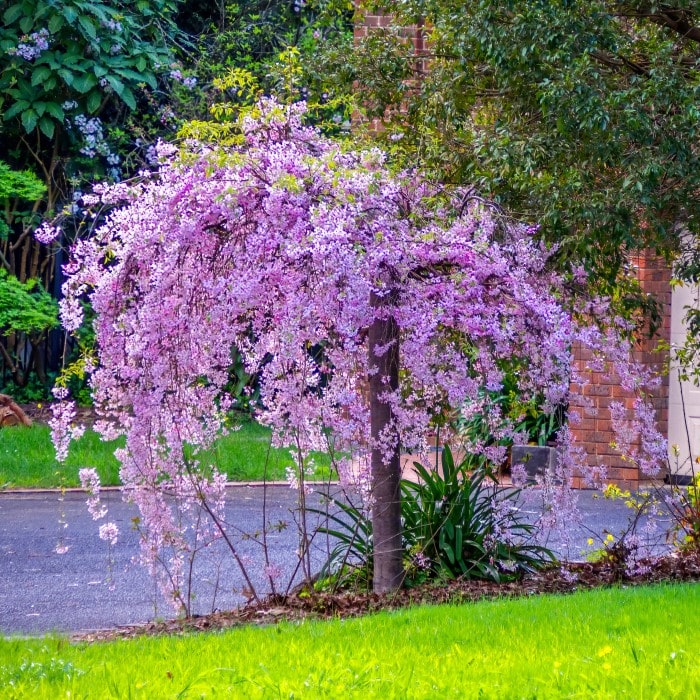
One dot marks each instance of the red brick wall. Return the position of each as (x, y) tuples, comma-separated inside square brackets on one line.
[(594, 432), (366, 23)]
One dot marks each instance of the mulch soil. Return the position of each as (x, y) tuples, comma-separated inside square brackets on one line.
[(41, 413), (324, 605)]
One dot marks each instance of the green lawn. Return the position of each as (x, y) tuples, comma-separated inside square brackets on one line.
[(27, 458), (616, 643)]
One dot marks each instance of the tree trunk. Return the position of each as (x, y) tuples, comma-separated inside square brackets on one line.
[(386, 469)]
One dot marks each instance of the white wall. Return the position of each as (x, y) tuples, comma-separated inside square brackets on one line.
[(683, 426)]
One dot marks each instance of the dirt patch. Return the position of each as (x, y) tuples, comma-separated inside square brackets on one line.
[(41, 413)]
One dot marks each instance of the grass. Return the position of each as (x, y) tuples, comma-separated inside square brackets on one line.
[(613, 643), (27, 458)]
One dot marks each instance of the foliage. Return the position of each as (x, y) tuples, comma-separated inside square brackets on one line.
[(349, 564), (558, 111), (27, 313), (78, 102), (274, 48), (83, 52), (628, 551), (72, 75), (689, 525), (16, 188), (457, 522), (25, 307), (683, 503), (251, 36), (502, 414)]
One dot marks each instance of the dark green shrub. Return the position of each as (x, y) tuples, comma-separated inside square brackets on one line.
[(456, 523)]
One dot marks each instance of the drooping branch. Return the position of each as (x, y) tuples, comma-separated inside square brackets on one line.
[(678, 20)]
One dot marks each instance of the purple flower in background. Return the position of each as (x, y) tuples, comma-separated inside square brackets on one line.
[(31, 46)]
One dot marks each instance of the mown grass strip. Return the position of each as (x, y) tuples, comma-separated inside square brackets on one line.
[(27, 458), (615, 643)]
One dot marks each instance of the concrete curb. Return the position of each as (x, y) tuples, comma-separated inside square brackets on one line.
[(229, 485)]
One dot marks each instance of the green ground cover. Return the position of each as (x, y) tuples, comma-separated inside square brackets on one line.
[(27, 458), (613, 643)]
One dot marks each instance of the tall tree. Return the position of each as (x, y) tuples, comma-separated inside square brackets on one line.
[(582, 116), (68, 71)]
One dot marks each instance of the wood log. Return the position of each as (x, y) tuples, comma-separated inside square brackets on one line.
[(11, 413)]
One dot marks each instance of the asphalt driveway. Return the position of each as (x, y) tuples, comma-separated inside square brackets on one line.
[(43, 591)]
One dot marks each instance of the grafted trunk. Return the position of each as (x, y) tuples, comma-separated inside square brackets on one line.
[(386, 469)]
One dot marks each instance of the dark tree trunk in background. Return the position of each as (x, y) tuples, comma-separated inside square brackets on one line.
[(386, 475)]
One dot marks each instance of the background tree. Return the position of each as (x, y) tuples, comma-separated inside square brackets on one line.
[(69, 72), (580, 116), (27, 311), (77, 86), (87, 88)]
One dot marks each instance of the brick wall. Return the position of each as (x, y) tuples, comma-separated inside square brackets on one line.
[(366, 23), (594, 432)]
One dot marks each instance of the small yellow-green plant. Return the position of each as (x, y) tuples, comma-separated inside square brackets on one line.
[(626, 551)]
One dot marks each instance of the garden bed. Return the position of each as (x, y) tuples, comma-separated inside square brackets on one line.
[(558, 579)]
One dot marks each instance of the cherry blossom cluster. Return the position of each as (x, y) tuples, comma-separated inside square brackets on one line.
[(64, 428), (276, 248)]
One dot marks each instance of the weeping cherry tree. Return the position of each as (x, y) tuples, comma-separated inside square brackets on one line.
[(369, 303)]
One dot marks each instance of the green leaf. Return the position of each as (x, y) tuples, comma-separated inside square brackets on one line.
[(458, 542), (70, 13), (135, 77), (93, 101), (29, 119), (84, 83), (15, 109), (449, 552), (25, 306), (88, 26), (47, 127), (13, 13), (67, 75), (55, 23), (55, 110), (26, 24), (117, 85), (128, 97)]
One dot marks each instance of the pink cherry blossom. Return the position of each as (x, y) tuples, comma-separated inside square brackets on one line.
[(276, 248)]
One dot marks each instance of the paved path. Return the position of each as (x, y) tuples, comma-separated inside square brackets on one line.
[(43, 591)]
